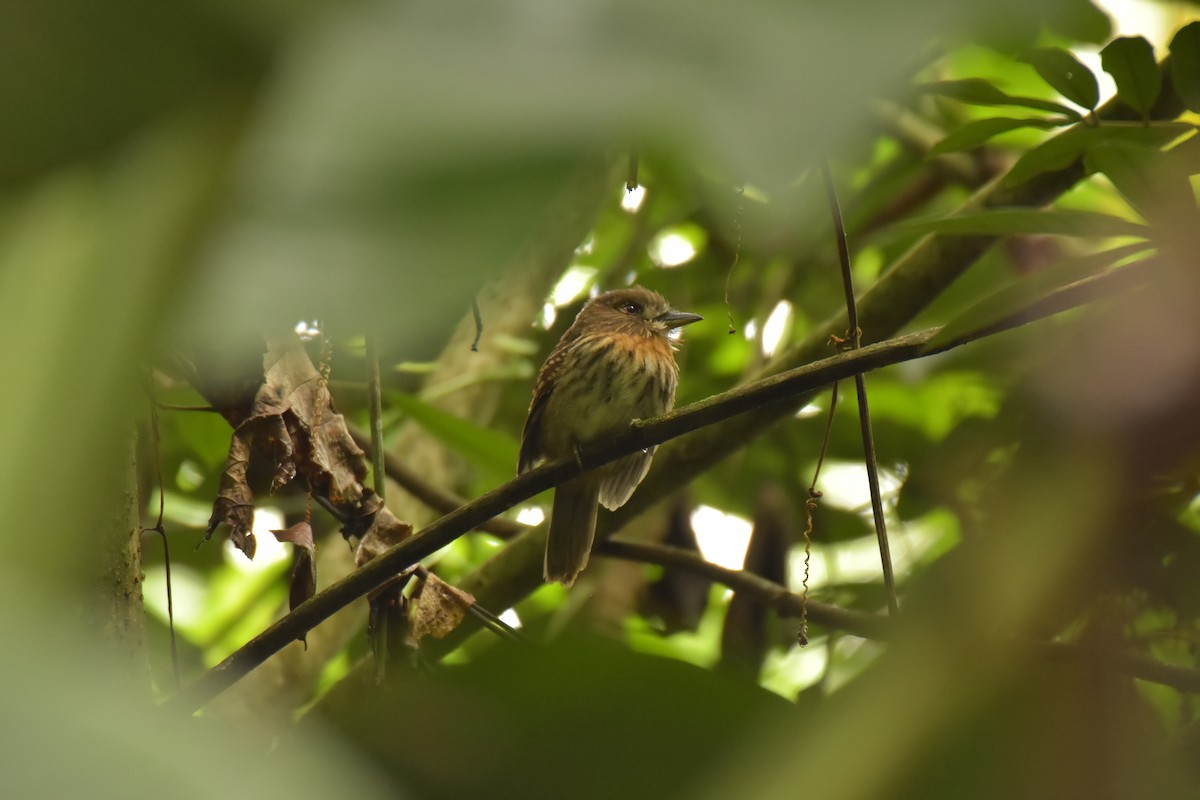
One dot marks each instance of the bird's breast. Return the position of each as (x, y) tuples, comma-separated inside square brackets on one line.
[(606, 382)]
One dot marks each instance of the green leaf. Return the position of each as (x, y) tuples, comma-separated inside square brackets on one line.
[(1066, 74), (489, 449), (1185, 65), (1021, 222), (1130, 60), (978, 92), (1150, 180), (1065, 148), (1080, 21), (975, 133), (1021, 294)]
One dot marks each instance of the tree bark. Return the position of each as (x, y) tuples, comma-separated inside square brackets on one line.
[(115, 616)]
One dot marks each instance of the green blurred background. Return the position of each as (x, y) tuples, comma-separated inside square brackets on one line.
[(186, 178)]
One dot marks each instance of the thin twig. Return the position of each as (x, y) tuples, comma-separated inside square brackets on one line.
[(868, 437), (324, 370), (478, 316), (387, 602), (375, 405), (639, 436), (156, 442), (176, 407), (810, 505), (872, 626), (175, 671), (860, 384), (769, 593), (496, 625), (737, 253), (378, 460)]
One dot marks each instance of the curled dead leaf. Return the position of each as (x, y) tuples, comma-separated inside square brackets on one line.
[(294, 424), (234, 505), (304, 569), (385, 531), (305, 426), (437, 607)]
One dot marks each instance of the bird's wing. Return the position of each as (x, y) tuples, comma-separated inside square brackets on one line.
[(531, 436), (623, 476)]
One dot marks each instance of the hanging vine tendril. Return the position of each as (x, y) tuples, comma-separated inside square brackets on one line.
[(810, 505), (737, 253)]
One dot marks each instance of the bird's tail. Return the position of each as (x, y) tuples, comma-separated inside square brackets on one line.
[(572, 528)]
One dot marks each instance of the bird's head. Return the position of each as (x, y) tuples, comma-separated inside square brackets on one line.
[(636, 310)]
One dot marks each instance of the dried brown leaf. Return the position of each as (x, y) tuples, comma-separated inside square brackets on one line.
[(300, 534), (234, 505), (304, 570), (438, 607), (294, 394), (293, 423), (384, 532)]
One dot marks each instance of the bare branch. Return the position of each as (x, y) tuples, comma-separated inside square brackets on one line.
[(780, 598), (871, 626)]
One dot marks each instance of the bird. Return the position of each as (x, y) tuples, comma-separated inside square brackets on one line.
[(614, 365)]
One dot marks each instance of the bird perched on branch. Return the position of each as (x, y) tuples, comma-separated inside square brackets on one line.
[(615, 364)]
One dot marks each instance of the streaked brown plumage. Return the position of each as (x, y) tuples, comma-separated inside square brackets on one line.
[(615, 364)]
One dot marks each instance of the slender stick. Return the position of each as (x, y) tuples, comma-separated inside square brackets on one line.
[(375, 406), (379, 465), (156, 443), (871, 626), (784, 602), (386, 603), (860, 384), (478, 317)]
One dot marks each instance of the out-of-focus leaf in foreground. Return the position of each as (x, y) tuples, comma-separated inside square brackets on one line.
[(407, 150)]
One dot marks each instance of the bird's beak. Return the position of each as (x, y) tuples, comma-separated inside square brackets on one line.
[(677, 319)]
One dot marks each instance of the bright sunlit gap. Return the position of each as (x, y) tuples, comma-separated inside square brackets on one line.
[(671, 250), (858, 560), (268, 551), (189, 594), (722, 538), (190, 475), (776, 327), (531, 515), (788, 671), (549, 315), (844, 485), (511, 619), (572, 284), (809, 411), (632, 200)]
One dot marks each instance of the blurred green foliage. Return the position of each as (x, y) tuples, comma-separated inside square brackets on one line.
[(178, 180)]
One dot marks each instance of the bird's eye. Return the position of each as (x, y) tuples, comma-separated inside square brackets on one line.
[(631, 308)]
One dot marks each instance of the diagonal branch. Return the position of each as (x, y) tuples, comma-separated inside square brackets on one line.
[(769, 593), (871, 626), (780, 388), (860, 384)]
